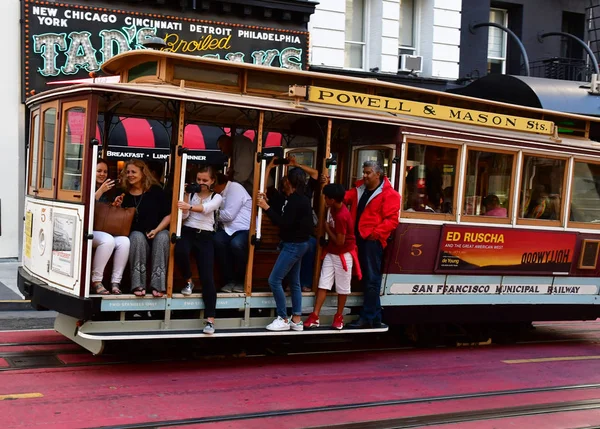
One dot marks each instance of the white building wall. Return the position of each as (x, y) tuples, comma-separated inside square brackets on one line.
[(327, 27), (12, 116), (437, 27)]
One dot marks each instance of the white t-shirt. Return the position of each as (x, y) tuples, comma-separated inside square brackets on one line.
[(205, 220)]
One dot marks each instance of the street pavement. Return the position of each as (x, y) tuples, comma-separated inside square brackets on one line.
[(15, 311)]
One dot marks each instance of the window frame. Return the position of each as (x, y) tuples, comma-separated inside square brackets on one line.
[(446, 217), (504, 40), (490, 219), (415, 21), (565, 185), (49, 192), (34, 150), (365, 35), (354, 160), (576, 224), (63, 194)]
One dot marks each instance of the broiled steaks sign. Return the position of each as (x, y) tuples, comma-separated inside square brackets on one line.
[(65, 41)]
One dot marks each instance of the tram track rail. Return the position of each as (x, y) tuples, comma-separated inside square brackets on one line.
[(404, 422)]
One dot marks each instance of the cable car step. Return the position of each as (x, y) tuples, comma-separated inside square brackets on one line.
[(222, 333)]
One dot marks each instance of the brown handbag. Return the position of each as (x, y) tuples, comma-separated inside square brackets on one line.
[(115, 221)]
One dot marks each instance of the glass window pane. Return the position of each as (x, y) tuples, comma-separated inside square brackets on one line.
[(487, 188), (380, 155), (34, 151), (353, 56), (541, 188), (74, 136), (585, 200), (430, 179), (407, 15), (48, 148), (496, 37), (355, 20)]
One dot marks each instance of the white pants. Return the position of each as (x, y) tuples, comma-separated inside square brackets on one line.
[(105, 244), (332, 269)]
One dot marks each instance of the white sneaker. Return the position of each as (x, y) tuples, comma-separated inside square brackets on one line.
[(296, 326), (278, 324), (238, 288)]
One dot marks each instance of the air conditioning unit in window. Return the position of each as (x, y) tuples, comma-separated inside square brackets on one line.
[(410, 63)]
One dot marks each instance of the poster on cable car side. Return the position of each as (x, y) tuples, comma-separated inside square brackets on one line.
[(62, 244), (473, 250)]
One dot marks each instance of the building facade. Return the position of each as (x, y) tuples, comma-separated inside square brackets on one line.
[(442, 43)]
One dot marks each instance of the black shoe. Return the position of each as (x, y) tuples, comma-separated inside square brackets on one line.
[(360, 324)]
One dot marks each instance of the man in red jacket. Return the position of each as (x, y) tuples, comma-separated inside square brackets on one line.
[(374, 206)]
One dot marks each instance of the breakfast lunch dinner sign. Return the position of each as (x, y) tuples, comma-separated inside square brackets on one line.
[(68, 41)]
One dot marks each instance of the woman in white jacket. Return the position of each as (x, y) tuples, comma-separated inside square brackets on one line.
[(199, 206)]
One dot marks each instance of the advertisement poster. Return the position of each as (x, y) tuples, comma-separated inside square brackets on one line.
[(62, 244), (68, 41), (28, 233), (504, 251)]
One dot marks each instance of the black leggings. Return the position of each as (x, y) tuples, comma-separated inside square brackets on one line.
[(200, 244)]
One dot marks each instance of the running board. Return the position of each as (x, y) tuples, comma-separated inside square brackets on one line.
[(221, 333)]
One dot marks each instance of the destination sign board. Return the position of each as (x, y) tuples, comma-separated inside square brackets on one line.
[(337, 97)]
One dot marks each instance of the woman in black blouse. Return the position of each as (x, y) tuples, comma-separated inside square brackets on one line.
[(149, 234)]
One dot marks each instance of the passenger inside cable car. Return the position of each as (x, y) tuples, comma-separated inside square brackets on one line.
[(104, 244), (199, 211), (231, 238), (149, 235)]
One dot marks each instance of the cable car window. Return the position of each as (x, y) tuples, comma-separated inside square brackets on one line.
[(303, 157), (73, 144), (34, 147), (585, 195), (541, 188), (371, 154), (48, 143), (488, 181), (430, 181)]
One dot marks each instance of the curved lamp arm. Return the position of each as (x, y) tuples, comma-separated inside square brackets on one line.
[(578, 40), (508, 31)]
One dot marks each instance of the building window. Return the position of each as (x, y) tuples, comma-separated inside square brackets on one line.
[(406, 36), (497, 42), (354, 55)]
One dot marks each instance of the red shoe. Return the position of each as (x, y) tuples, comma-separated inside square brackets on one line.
[(338, 321), (312, 321)]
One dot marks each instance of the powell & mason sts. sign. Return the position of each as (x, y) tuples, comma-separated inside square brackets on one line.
[(424, 110), (67, 41)]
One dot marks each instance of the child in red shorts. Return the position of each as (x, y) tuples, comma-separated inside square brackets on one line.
[(338, 257)]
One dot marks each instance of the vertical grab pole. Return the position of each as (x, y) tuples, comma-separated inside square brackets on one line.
[(395, 163), (175, 224), (321, 214), (261, 189), (181, 193), (253, 216), (90, 233), (332, 164)]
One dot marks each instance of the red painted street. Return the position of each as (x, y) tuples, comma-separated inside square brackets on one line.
[(551, 380)]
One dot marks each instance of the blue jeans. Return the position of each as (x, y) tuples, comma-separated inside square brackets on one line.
[(308, 263), (370, 256), (232, 255), (288, 264)]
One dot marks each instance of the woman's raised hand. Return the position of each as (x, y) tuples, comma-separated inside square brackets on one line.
[(107, 185), (262, 201)]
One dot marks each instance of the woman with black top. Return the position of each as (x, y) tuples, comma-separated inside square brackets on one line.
[(149, 236), (295, 226)]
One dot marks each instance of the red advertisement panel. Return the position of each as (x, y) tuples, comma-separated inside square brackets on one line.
[(504, 251)]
